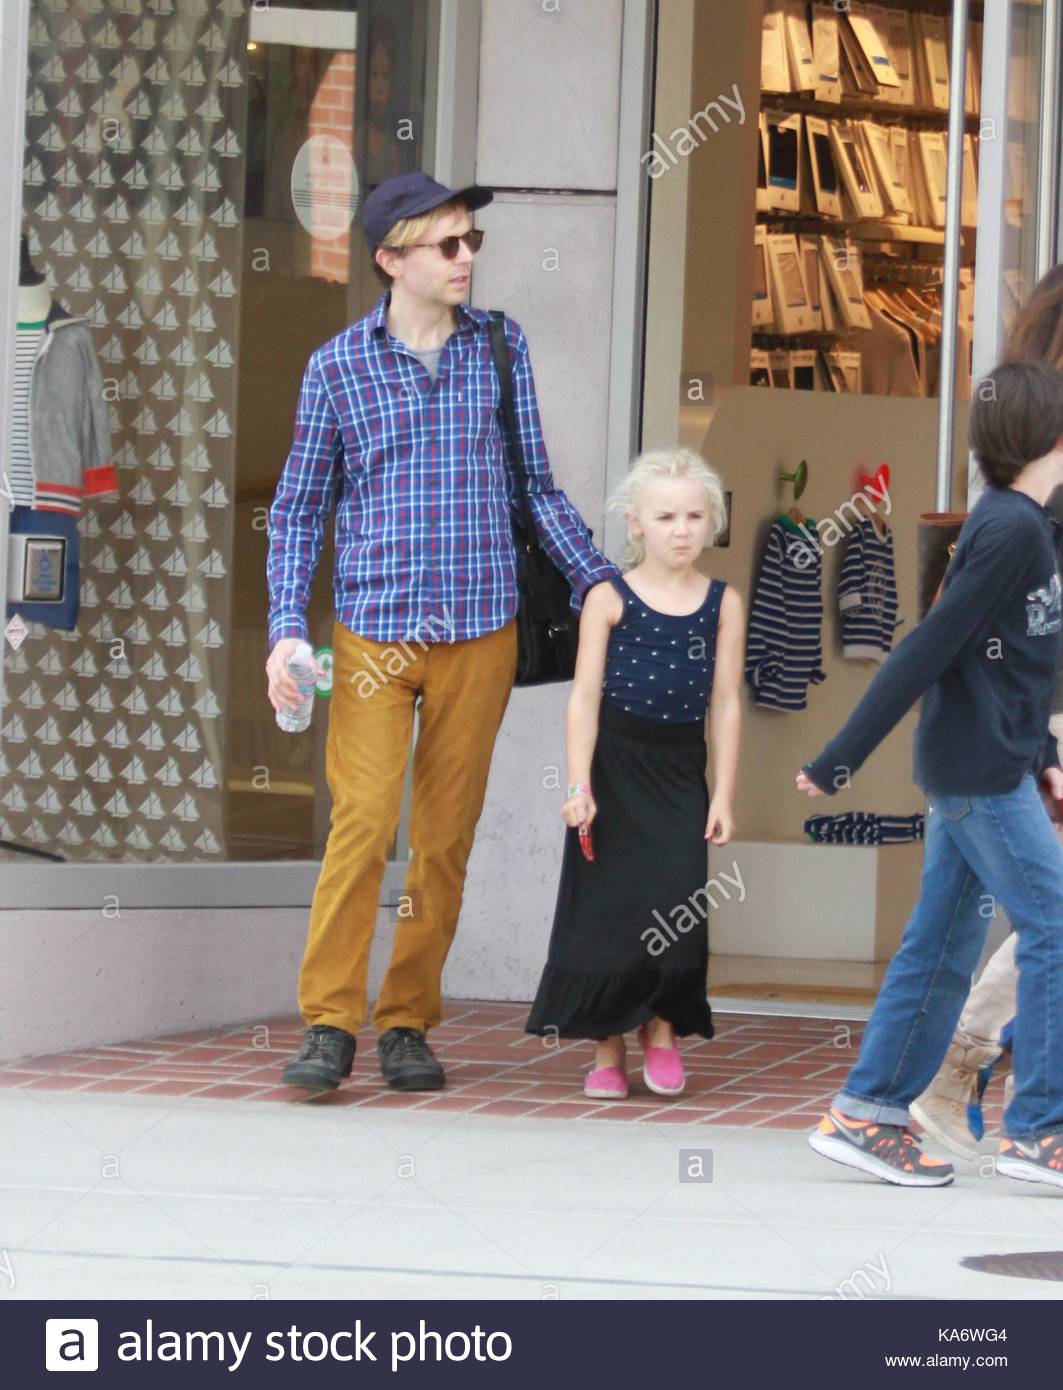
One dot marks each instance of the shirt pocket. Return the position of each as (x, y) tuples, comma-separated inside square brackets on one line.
[(476, 398)]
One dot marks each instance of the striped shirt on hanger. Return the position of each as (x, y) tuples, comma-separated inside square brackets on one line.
[(867, 593), (20, 460), (784, 652)]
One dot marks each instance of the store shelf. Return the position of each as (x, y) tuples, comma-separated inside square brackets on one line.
[(860, 229), (859, 106), (893, 231)]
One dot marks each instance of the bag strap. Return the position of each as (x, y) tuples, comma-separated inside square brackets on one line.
[(504, 372)]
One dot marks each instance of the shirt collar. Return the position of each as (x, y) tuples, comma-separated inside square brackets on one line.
[(378, 317)]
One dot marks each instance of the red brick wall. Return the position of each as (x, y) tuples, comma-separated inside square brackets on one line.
[(332, 113)]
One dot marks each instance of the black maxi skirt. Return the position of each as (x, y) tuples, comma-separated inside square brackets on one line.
[(630, 933)]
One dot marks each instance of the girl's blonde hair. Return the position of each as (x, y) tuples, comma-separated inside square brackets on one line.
[(667, 463)]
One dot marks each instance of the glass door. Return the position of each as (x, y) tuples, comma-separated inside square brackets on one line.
[(191, 178)]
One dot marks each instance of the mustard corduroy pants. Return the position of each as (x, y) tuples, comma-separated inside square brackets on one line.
[(463, 688)]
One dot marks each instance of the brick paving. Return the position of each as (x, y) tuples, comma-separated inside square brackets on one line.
[(759, 1072)]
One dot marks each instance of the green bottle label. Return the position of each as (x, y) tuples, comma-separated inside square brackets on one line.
[(323, 657)]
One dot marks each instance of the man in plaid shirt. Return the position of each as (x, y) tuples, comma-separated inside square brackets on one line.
[(397, 425)]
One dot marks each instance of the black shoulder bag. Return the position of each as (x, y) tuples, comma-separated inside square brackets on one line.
[(547, 628)]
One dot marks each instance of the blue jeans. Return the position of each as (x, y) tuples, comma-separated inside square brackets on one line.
[(978, 849)]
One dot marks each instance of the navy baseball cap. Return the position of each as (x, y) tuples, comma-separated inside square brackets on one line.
[(409, 195)]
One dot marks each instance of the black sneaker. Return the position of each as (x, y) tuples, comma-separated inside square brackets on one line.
[(407, 1063), (325, 1058)]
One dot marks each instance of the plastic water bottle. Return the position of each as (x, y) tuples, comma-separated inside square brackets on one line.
[(303, 670)]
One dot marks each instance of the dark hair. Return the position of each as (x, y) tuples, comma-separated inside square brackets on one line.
[(1036, 335), (1016, 418)]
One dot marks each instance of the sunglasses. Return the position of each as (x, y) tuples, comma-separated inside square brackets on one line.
[(473, 239)]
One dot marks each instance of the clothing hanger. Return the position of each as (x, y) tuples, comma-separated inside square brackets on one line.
[(799, 478)]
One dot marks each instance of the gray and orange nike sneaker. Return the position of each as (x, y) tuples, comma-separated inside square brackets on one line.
[(1033, 1160), (889, 1152)]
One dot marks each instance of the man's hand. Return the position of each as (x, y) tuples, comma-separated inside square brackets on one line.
[(804, 784), (283, 691)]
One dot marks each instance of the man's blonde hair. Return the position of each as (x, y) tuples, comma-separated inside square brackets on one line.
[(409, 230), (667, 463)]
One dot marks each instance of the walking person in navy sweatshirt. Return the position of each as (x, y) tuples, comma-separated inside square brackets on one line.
[(984, 660)]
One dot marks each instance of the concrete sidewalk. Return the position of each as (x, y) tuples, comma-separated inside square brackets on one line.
[(165, 1197)]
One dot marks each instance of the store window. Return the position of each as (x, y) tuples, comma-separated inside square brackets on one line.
[(850, 198), (1022, 260), (191, 176), (318, 139), (795, 265)]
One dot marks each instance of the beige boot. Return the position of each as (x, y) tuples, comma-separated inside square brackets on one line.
[(942, 1108)]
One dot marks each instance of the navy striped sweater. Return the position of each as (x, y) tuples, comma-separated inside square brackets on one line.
[(867, 593), (784, 652)]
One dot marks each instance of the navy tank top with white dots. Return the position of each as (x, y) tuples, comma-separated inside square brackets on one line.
[(660, 665)]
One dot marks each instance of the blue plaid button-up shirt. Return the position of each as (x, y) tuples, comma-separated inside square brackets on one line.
[(422, 485)]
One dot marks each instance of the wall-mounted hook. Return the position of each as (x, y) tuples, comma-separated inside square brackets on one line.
[(799, 478)]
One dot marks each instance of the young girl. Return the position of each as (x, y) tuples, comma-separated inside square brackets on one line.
[(658, 649)]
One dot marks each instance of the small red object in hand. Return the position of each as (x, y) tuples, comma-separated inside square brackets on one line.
[(586, 844)]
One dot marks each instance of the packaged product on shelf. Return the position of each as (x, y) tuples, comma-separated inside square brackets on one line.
[(871, 47), (774, 64), (762, 308), (780, 369), (763, 191), (896, 30), (933, 153), (857, 179), (799, 46), (969, 210), (792, 311), (878, 144), (810, 262), (932, 60), (845, 273), (824, 170), (784, 160), (803, 369), (825, 54)]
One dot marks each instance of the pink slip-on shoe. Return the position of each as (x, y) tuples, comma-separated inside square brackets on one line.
[(663, 1067), (607, 1083)]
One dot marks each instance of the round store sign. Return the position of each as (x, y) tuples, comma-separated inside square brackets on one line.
[(325, 187)]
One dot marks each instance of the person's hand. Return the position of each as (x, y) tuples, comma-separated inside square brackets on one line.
[(1051, 788), (1052, 782), (805, 784), (720, 826), (282, 690), (579, 810)]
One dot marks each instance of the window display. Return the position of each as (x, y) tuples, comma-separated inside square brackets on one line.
[(854, 158)]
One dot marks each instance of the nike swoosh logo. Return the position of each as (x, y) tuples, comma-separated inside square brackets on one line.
[(1027, 1150)]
